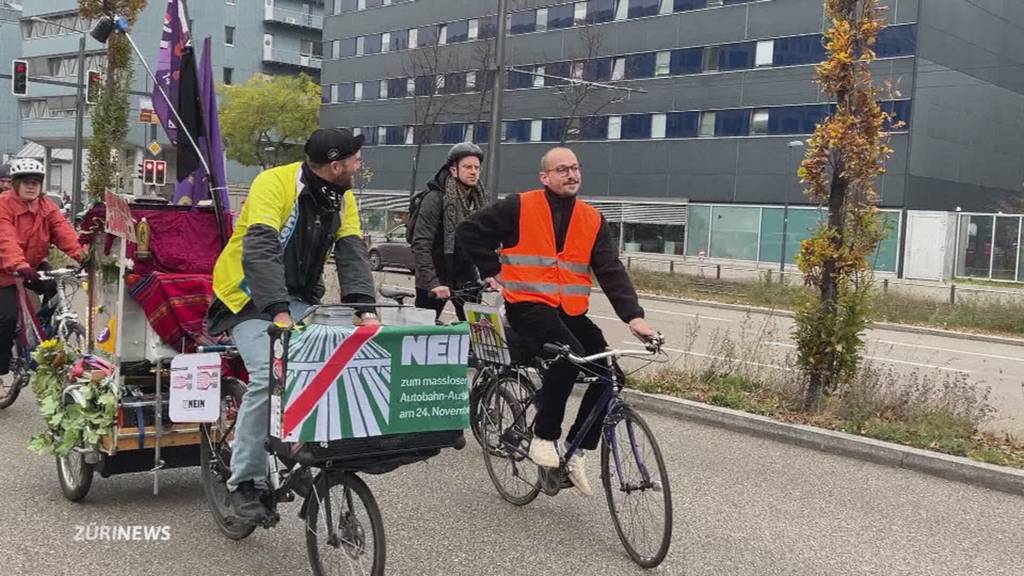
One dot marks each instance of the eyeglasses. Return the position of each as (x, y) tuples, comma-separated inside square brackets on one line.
[(564, 171)]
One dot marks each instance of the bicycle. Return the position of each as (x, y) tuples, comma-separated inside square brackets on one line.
[(628, 469), (58, 320)]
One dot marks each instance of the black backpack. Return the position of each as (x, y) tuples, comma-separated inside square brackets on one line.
[(415, 202)]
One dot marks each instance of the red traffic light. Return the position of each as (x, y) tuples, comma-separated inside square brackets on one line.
[(20, 67), (19, 77), (161, 173), (93, 87)]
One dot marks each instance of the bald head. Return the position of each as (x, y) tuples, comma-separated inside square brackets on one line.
[(560, 172)]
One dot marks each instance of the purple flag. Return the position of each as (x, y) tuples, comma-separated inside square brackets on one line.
[(175, 42)]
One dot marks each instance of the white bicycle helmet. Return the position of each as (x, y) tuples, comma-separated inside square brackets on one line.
[(21, 167)]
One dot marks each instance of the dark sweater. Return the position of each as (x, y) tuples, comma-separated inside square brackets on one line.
[(498, 226)]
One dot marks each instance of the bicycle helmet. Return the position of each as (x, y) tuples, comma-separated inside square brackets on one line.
[(463, 149), (22, 167)]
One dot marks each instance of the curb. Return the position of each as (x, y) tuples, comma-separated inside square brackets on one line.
[(954, 468), (908, 328)]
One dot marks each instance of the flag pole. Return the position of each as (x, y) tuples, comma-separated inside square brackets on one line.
[(122, 26)]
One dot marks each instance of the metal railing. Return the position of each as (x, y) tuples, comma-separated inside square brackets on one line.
[(292, 58), (294, 18)]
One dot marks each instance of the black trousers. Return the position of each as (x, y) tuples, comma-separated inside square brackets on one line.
[(425, 300), (9, 317), (539, 324)]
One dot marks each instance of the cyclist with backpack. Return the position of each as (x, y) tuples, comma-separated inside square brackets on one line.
[(450, 197)]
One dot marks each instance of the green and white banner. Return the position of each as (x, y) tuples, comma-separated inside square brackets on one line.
[(336, 382)]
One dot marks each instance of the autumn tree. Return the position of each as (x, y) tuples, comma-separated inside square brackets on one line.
[(432, 69), (266, 121), (845, 157), (110, 114), (581, 97)]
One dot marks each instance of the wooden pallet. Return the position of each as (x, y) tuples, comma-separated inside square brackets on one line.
[(175, 435)]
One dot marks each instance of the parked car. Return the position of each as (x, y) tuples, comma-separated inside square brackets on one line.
[(392, 252)]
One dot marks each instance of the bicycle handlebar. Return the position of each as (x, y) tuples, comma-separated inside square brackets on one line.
[(653, 347), (62, 273)]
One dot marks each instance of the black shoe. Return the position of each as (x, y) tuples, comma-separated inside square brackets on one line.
[(246, 504)]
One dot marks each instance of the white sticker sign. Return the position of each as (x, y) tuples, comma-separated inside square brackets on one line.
[(195, 388)]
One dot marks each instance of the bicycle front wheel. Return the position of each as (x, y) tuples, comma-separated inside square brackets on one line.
[(344, 528), (637, 488)]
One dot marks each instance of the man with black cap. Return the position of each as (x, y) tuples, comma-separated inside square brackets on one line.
[(271, 271), (451, 196)]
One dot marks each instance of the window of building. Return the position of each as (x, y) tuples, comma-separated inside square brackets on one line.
[(427, 36), (707, 124), (900, 109), (737, 56), (372, 44), (517, 131), (764, 53), (614, 127), (684, 124), (458, 32), (345, 6), (538, 77), (229, 35), (641, 8), (561, 16), (325, 94), (358, 92), (370, 136), (686, 61), (425, 85), (896, 41), (555, 72), (346, 92), (552, 129), (600, 11), (371, 90), (374, 3), (798, 50), (640, 65), (636, 127), (618, 68), (455, 83), (398, 88), (481, 132), (394, 135), (536, 129), (796, 119), (453, 133), (663, 65), (487, 27), (399, 40), (712, 58), (658, 125), (523, 22), (597, 70), (541, 15), (517, 79), (347, 48), (732, 123), (684, 5), (759, 123), (229, 74), (382, 90)]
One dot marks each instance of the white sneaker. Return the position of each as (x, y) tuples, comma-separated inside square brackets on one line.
[(543, 453), (578, 473)]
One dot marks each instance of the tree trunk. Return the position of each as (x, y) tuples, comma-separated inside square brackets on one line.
[(415, 167)]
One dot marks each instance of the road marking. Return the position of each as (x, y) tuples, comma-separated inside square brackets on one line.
[(886, 360), (702, 355), (996, 356), (689, 315)]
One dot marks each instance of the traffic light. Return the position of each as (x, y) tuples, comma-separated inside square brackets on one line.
[(19, 77), (149, 172), (93, 87), (161, 173)]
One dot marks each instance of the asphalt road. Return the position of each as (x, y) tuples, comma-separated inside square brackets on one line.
[(742, 505), (761, 343)]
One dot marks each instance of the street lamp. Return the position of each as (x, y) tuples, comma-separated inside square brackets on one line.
[(76, 165), (497, 96), (793, 145)]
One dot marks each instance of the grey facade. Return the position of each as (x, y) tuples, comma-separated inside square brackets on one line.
[(248, 37), (10, 47), (957, 65)]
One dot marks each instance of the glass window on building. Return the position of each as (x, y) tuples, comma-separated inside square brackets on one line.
[(796, 119), (425, 85), (229, 35), (1005, 249), (372, 44), (798, 50), (681, 124), (640, 65), (346, 92), (636, 127), (732, 123), (453, 133), (371, 135), (975, 246), (734, 232), (398, 88), (455, 83), (641, 8), (517, 131), (737, 56), (518, 79), (686, 61), (555, 72), (597, 70), (481, 132), (698, 220), (427, 36), (345, 6), (896, 41), (707, 124), (900, 109), (600, 11), (371, 90), (347, 48), (803, 222), (325, 93), (229, 74), (487, 27), (398, 40), (684, 5), (712, 58), (594, 128), (374, 3), (552, 129), (458, 32), (652, 238), (523, 22), (561, 16), (759, 122)]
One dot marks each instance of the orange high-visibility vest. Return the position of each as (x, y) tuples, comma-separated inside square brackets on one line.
[(534, 271)]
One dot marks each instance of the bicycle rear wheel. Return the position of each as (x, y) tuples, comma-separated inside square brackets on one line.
[(637, 487), (508, 412), (215, 461), (348, 536)]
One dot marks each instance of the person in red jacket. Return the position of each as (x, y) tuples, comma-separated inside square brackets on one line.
[(29, 223)]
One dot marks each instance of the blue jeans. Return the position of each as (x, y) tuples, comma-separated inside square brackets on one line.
[(249, 457)]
